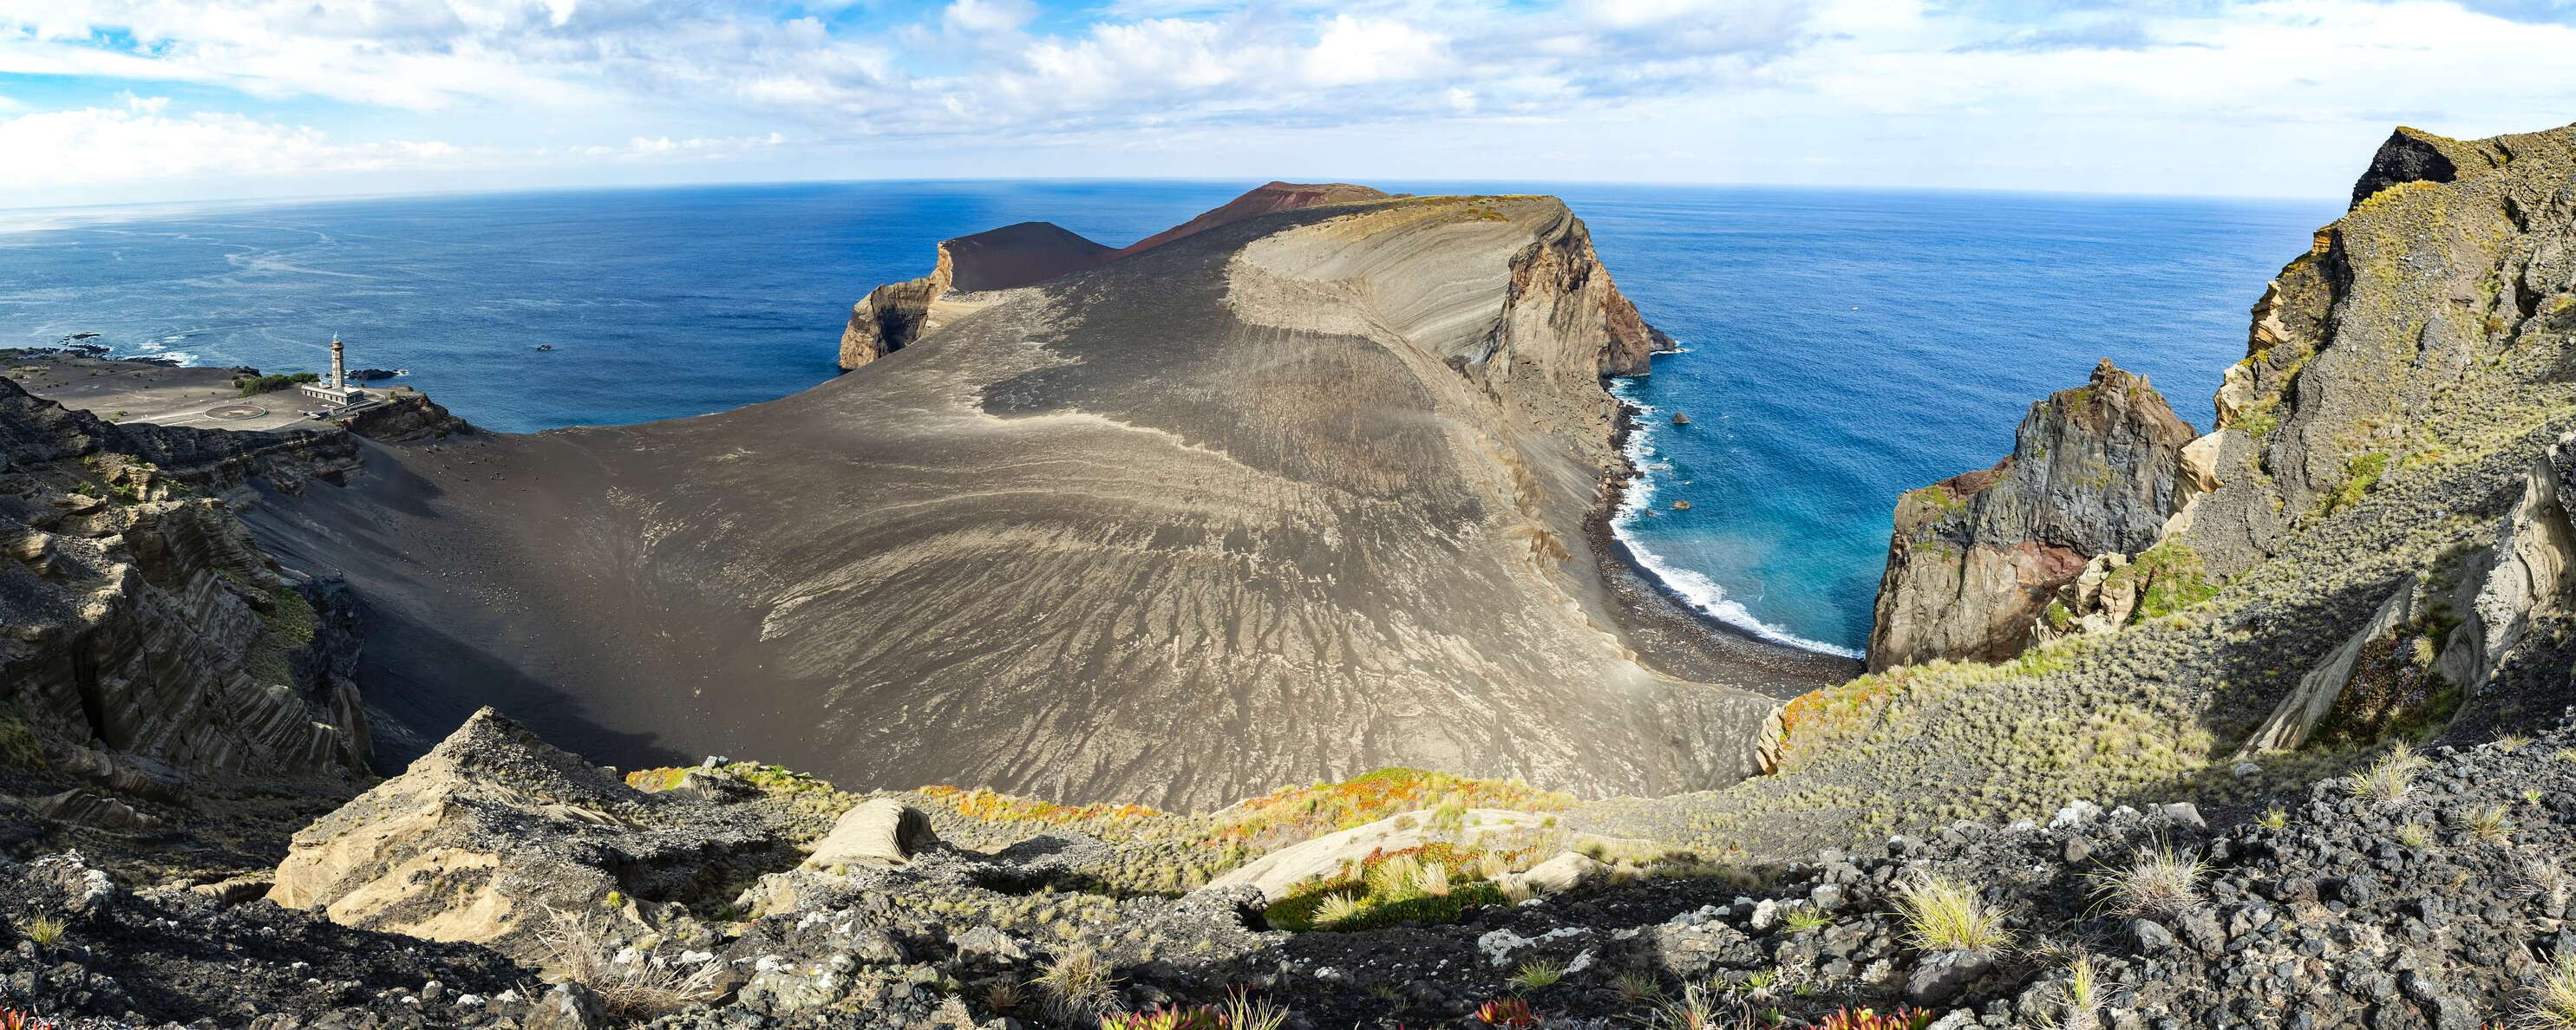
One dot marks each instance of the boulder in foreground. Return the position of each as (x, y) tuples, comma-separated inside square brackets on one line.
[(494, 830)]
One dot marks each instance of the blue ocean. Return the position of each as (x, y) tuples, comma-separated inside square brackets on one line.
[(1842, 346)]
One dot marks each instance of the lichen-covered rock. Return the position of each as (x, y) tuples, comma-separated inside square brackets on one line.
[(1976, 559), (2454, 253)]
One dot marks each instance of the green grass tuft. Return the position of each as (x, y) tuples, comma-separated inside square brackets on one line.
[(1941, 914)]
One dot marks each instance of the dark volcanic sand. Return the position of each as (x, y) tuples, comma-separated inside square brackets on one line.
[(1209, 519)]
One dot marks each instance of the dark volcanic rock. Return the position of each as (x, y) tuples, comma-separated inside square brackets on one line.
[(2412, 155), (142, 619), (176, 956), (406, 416), (1018, 255)]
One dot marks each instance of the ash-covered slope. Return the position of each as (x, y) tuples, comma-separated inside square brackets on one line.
[(1267, 198), (1284, 499), (1027, 253)]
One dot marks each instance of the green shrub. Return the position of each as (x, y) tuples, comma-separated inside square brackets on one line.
[(19, 746), (1538, 974), (1301, 912), (2360, 473), (253, 387), (2390, 777), (2161, 881), (2553, 1002), (2172, 579), (289, 624), (1434, 883), (44, 930), (2258, 418)]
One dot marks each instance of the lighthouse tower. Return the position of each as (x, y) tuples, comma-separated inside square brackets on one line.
[(339, 366)]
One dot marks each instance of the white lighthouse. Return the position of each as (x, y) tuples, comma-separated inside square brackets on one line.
[(334, 393)]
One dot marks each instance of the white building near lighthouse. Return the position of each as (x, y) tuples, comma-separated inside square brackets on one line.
[(334, 391)]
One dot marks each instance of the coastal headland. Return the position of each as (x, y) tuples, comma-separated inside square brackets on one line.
[(1303, 491)]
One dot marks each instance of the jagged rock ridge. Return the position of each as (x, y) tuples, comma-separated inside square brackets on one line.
[(2372, 548), (2453, 260)]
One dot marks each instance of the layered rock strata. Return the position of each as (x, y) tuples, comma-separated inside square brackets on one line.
[(143, 619)]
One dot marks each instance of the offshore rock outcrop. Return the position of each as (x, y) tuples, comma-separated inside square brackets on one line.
[(895, 314), (143, 619), (1977, 559), (1283, 499)]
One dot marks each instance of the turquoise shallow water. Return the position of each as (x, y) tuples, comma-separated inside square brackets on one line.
[(1843, 346)]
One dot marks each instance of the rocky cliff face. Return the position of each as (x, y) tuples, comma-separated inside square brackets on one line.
[(2454, 257), (894, 314), (1977, 560), (2430, 297), (407, 416), (1285, 498), (143, 621), (493, 831)]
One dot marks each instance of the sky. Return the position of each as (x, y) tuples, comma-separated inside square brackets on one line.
[(139, 101)]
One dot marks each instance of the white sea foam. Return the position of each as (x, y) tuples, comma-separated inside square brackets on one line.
[(1693, 587)]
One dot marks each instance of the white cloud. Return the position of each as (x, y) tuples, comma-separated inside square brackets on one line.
[(140, 141), (1865, 90), (987, 15), (1353, 50)]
